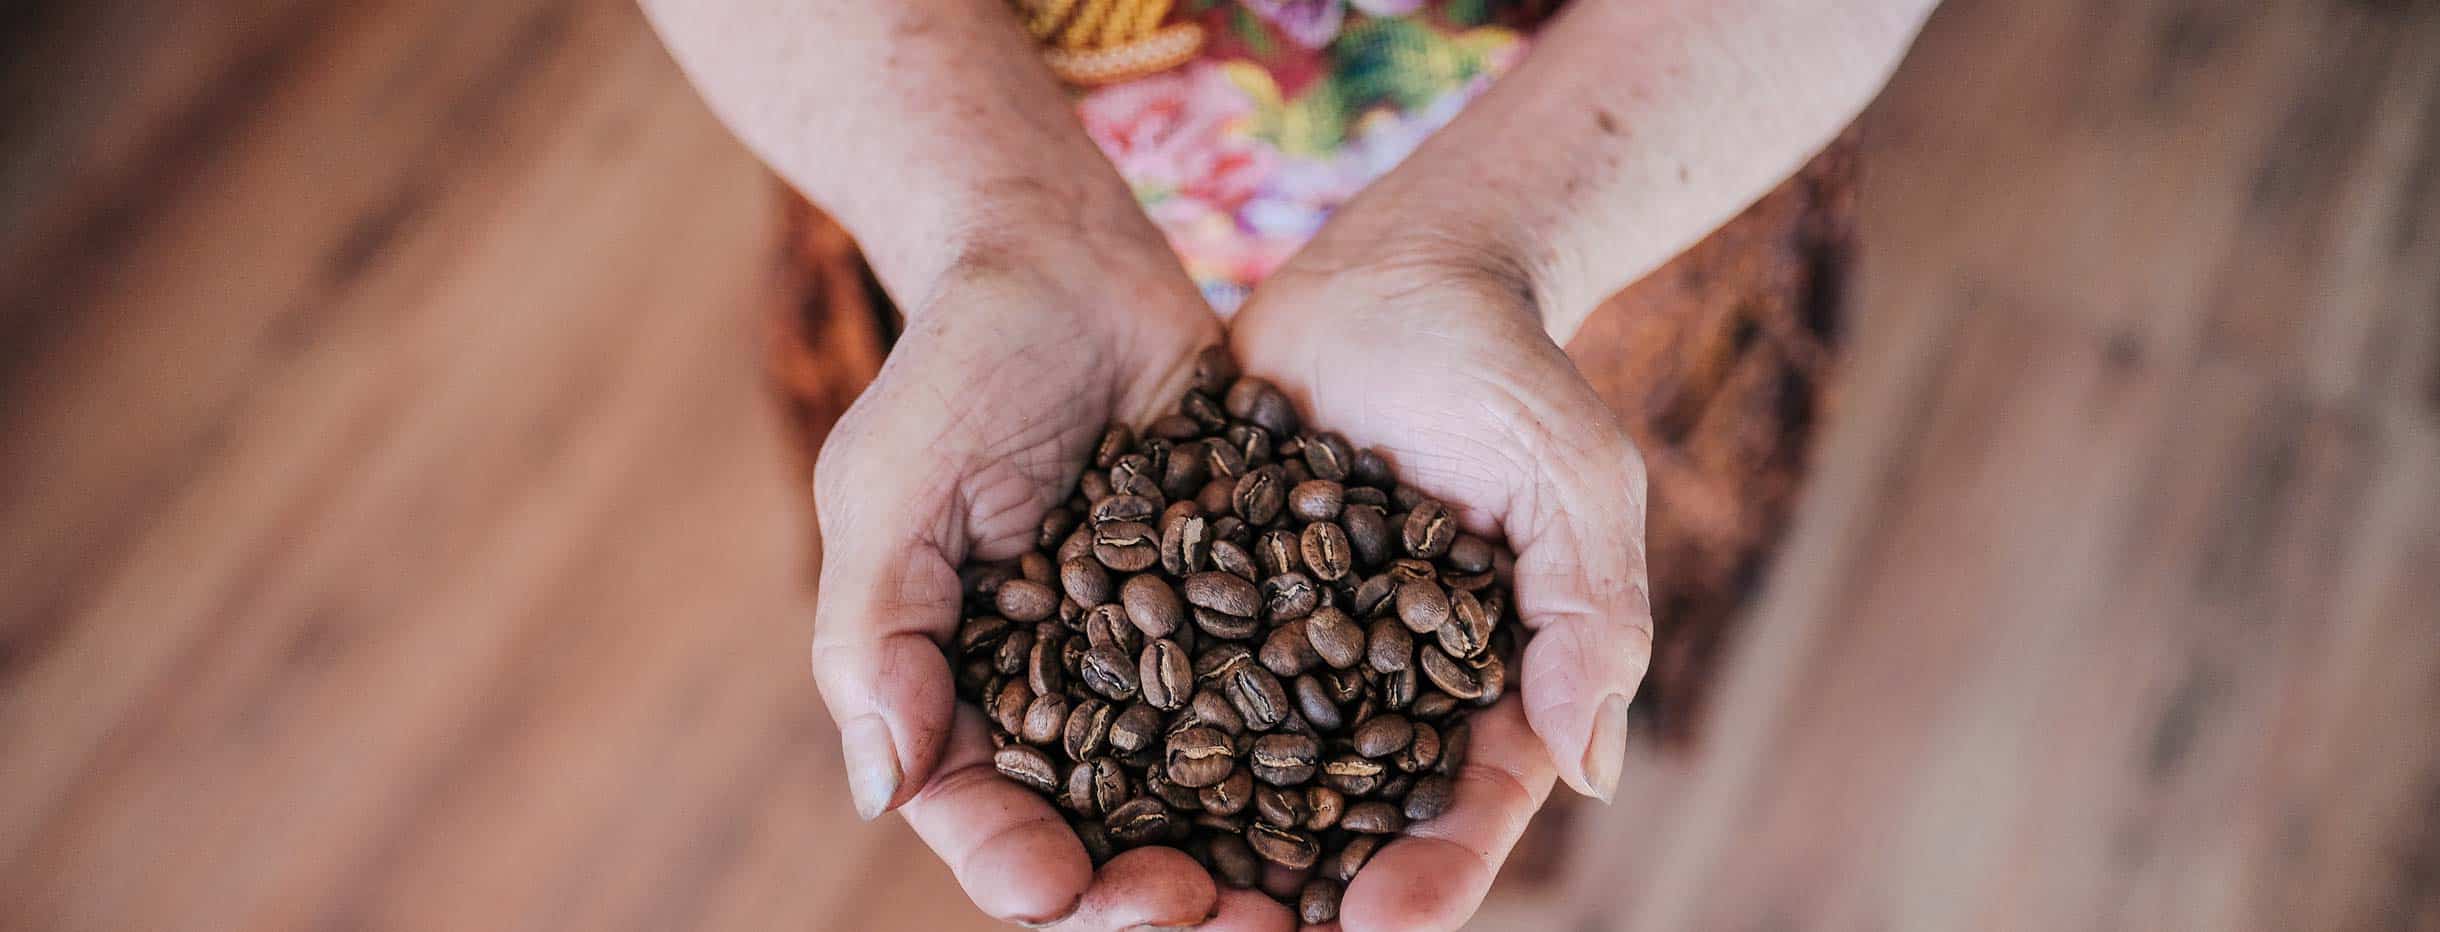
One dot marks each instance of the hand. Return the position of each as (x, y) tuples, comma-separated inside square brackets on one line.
[(1437, 357), (979, 422)]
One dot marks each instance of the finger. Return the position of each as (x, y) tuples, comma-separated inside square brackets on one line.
[(1016, 857), (1154, 886), (1248, 911), (1436, 875), (1580, 584)]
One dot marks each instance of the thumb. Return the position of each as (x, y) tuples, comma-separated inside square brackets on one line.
[(1581, 586)]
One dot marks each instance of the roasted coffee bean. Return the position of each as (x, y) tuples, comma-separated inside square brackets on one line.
[(1371, 467), (1086, 581), (1045, 667), (1009, 704), (1290, 596), (1398, 690), (1373, 597), (1383, 735), (1133, 475), (1094, 487), (1368, 534), (1199, 757), (1168, 678), (1214, 370), (1232, 558), (1088, 729), (1422, 751), (1324, 547), (1257, 696), (1281, 806), (1185, 473), (1139, 821), (1056, 524), (1286, 652), (1152, 605), (1492, 672), (1470, 554), (1422, 605), (1211, 708), (1277, 551), (1110, 674), (1226, 593), (1429, 798), (1009, 658), (1346, 685), (1367, 496), (1449, 675), (1178, 796), (1350, 858), (1453, 748), (1313, 701), (1334, 637), (1225, 626), (1029, 766), (1126, 546), (1429, 531), (1234, 863), (1045, 720), (1330, 456), (1373, 817), (1316, 500), (1037, 568), (1285, 847), (1173, 427), (1432, 704), (1115, 442), (1468, 630), (981, 631), (1186, 545), (1404, 570), (1388, 648), (1079, 543), (1318, 903), (1216, 662), (1225, 462), (1097, 843), (1135, 729), (1259, 496), (1284, 760), (1352, 775), (1229, 796), (1026, 600), (1105, 624), (1215, 497), (1102, 787), (1254, 443)]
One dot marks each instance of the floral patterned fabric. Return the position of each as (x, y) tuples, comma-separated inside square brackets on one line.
[(1281, 111)]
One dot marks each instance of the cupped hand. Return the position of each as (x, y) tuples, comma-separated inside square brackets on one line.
[(981, 421), (1437, 357)]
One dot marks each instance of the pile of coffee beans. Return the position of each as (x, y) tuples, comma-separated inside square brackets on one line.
[(1241, 638)]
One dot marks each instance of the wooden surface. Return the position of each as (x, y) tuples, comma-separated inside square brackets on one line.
[(401, 531)]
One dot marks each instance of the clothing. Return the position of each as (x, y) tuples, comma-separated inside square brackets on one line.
[(1242, 125)]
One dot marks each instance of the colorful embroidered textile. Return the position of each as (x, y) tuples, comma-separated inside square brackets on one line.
[(1241, 125)]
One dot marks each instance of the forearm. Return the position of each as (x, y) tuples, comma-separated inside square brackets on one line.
[(1632, 129), (928, 128)]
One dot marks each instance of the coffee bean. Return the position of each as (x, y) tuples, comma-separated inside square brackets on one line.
[(1168, 678), (1388, 646), (1139, 821), (1278, 551), (1383, 735), (1422, 605), (1468, 630), (1259, 495), (1352, 775), (1285, 847), (1028, 766), (1429, 530), (1056, 524), (1334, 637), (1045, 667), (1330, 456), (1449, 675), (1026, 600), (1152, 605), (1086, 581), (1088, 729), (1134, 729), (1286, 652), (1178, 796), (1234, 863), (1009, 658), (1229, 796), (1368, 496), (1368, 534), (1453, 748), (1284, 760), (1257, 696), (1115, 442), (1079, 543), (1009, 704), (1313, 701), (1214, 370), (1324, 547), (1492, 672), (1226, 593), (1398, 689), (1186, 545), (1225, 626), (1429, 798), (1045, 719), (1346, 685), (1231, 558), (1211, 708), (1316, 500), (1284, 807), (1110, 674), (981, 631), (1096, 839), (1118, 508), (1433, 704), (1126, 546), (1373, 817), (1350, 858), (1421, 752), (1290, 596), (1095, 787), (1318, 903), (1199, 757)]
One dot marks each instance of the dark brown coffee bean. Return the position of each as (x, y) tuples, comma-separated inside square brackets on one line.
[(1280, 806), (1429, 531), (1257, 696), (1318, 902), (1289, 596), (1373, 817), (1108, 624), (1026, 600), (1404, 570), (1422, 605), (1045, 720), (1383, 735), (1110, 674), (1095, 486), (1225, 462), (1139, 821), (1368, 496), (1126, 546), (1469, 554), (1432, 704), (1115, 442), (1398, 689), (1374, 597), (1225, 626), (1421, 753), (1277, 551), (1009, 659), (1448, 675), (1214, 370), (1088, 729), (1057, 523), (1097, 843), (1352, 775), (1037, 568), (1226, 593), (1324, 547), (1368, 534), (1323, 807), (1351, 857), (1285, 651), (1029, 766), (1168, 678), (1231, 558), (1259, 496), (1313, 701), (1492, 672), (1334, 637), (1186, 545), (1174, 427), (1079, 543), (1346, 685), (1102, 786), (1284, 760), (1086, 581), (1199, 757), (1135, 729), (1205, 410), (1330, 456), (981, 632), (1118, 508), (1234, 863), (1216, 662), (1388, 647), (1216, 496), (1468, 630), (1285, 847), (1253, 443), (1045, 666), (1211, 708), (1134, 474), (1429, 798), (1184, 474), (1229, 796), (1009, 704), (1152, 606), (1316, 500)]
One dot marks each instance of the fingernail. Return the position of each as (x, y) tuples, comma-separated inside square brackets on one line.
[(1605, 754), (872, 765), (1064, 915)]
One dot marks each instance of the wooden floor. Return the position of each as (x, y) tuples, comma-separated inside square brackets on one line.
[(401, 532)]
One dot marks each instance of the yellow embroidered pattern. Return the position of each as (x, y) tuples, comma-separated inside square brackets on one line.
[(1092, 42)]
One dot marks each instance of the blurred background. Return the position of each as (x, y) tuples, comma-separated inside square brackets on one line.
[(405, 410)]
